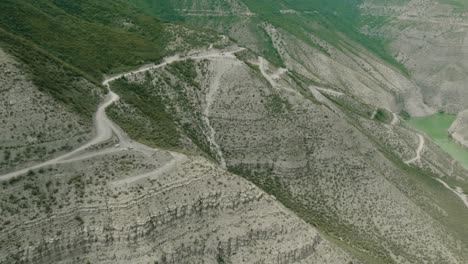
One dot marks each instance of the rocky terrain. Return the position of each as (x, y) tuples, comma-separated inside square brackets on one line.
[(279, 137), (429, 38), (35, 127), (459, 129), (345, 66), (93, 211), (268, 126), (120, 201)]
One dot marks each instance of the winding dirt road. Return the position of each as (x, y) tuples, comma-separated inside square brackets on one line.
[(105, 129), (418, 151), (394, 120)]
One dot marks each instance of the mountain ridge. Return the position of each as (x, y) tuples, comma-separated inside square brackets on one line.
[(266, 139)]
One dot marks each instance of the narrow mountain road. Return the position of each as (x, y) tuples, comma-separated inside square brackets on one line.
[(422, 141), (105, 129), (395, 120), (373, 114), (177, 158), (458, 191), (452, 167), (418, 151)]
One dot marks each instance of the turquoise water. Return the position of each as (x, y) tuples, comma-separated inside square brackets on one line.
[(436, 127)]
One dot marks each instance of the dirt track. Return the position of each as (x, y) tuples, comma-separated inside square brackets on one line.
[(105, 129)]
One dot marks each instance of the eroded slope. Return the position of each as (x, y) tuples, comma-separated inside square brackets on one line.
[(347, 178), (119, 201), (132, 207), (429, 38), (35, 126)]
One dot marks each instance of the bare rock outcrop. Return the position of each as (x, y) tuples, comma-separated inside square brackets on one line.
[(459, 129)]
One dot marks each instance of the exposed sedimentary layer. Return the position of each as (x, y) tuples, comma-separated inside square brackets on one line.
[(93, 211)]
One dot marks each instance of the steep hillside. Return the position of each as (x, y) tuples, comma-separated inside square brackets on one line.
[(98, 38), (101, 210), (318, 39), (320, 152), (459, 129), (101, 197), (114, 200), (46, 107), (429, 38), (58, 53), (236, 131)]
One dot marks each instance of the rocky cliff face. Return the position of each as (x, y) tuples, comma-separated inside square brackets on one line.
[(459, 129), (101, 210)]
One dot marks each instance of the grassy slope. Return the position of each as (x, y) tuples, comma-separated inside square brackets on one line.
[(152, 120), (91, 36), (160, 8), (157, 128), (320, 18), (61, 41), (459, 5), (52, 75), (323, 19)]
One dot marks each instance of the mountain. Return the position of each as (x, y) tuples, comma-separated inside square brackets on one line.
[(417, 29), (78, 203), (319, 40), (230, 131)]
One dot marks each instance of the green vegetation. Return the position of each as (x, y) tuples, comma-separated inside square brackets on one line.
[(96, 37), (323, 19), (161, 8), (52, 75), (157, 128), (186, 70), (459, 5), (405, 115), (263, 177), (265, 45), (383, 115), (436, 127), (352, 105), (61, 42), (163, 111), (277, 105)]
